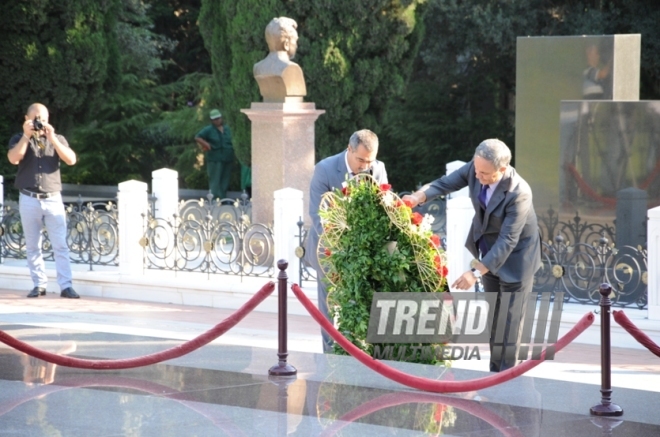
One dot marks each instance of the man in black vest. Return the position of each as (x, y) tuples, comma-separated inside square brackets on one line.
[(37, 152)]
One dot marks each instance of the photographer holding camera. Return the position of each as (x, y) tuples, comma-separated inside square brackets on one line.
[(37, 152)]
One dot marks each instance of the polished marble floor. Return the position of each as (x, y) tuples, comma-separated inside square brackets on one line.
[(225, 390)]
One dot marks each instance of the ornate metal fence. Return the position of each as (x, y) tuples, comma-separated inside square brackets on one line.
[(577, 230), (209, 237), (578, 256), (92, 234)]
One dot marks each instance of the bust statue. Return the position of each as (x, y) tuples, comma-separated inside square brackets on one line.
[(279, 79)]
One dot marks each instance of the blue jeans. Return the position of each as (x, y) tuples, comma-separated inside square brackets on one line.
[(34, 213)]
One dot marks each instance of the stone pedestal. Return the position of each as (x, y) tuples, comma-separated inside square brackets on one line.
[(165, 186), (653, 263), (131, 205), (282, 153)]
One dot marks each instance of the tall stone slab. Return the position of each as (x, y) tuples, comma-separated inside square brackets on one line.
[(631, 207), (609, 165), (552, 69), (282, 152)]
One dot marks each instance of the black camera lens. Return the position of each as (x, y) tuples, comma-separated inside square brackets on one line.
[(38, 125)]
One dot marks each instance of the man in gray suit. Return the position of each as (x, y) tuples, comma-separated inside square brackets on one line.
[(330, 174), (504, 236)]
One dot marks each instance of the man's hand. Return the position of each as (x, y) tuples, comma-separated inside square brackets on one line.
[(415, 198), (28, 128), (67, 155), (465, 281), (468, 279), (203, 144), (49, 131)]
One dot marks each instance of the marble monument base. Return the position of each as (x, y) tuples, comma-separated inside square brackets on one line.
[(282, 152)]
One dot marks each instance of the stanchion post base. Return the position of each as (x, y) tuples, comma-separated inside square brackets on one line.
[(282, 370), (606, 410)]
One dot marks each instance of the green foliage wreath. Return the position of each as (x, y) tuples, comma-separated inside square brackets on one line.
[(373, 241)]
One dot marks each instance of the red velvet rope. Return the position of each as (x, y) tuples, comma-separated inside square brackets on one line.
[(623, 320), (394, 399), (128, 363), (427, 384), (584, 186)]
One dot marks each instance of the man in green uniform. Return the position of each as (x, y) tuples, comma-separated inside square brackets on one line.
[(215, 140)]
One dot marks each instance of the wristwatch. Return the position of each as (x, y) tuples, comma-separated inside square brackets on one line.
[(476, 273)]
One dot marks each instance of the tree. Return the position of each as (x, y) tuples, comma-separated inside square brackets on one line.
[(177, 20), (356, 56), (123, 137), (57, 53)]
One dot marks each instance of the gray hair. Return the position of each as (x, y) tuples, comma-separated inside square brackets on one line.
[(495, 152), (278, 31), (366, 138)]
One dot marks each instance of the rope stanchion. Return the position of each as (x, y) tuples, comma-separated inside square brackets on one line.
[(427, 384), (623, 320), (146, 360), (282, 368), (606, 407)]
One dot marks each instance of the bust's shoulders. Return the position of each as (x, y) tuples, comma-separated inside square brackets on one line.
[(274, 65)]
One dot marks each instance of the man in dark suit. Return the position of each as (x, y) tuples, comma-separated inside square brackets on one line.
[(330, 174), (504, 235)]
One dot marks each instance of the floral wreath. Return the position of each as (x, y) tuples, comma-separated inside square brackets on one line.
[(373, 241), (429, 258)]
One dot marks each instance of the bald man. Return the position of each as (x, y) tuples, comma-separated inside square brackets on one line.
[(38, 152)]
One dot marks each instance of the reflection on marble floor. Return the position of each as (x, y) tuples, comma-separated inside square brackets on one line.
[(225, 390)]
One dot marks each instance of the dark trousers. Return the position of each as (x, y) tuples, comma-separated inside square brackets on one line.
[(509, 314), (219, 174)]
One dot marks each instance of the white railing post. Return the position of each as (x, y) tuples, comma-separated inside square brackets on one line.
[(451, 167), (165, 187), (459, 221), (132, 203), (653, 263), (288, 209)]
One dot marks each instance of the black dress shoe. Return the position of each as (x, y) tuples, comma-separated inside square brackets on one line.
[(69, 293), (36, 292)]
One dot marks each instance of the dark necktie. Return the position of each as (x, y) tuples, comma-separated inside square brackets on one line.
[(483, 247), (482, 196)]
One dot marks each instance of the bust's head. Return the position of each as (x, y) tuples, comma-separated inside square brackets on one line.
[(281, 36)]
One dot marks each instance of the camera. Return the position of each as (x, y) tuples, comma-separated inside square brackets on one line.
[(38, 125)]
